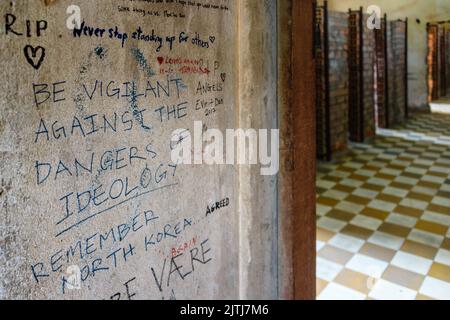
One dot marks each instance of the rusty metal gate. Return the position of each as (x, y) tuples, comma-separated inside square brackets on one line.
[(381, 64), (356, 76), (442, 63), (432, 62), (397, 42), (406, 70), (447, 59), (321, 54)]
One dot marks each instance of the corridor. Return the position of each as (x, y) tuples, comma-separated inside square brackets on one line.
[(383, 215)]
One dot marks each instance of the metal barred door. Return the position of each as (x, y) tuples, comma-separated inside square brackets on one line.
[(321, 54), (356, 112), (381, 75), (432, 62), (320, 83), (442, 62)]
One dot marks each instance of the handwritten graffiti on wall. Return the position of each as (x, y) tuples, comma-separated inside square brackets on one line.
[(99, 164), (34, 55)]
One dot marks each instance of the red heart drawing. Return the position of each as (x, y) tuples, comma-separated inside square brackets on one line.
[(160, 60)]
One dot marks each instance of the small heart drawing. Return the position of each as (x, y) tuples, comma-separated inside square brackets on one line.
[(31, 54), (212, 39), (160, 60), (223, 76)]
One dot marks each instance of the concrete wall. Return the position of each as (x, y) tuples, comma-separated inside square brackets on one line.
[(258, 195), (136, 225), (425, 11)]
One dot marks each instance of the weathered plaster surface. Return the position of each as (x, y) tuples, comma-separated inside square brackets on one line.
[(177, 249)]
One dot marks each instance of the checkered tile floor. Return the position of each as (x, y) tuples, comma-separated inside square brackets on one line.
[(384, 215)]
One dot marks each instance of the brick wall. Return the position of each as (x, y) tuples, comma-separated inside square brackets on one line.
[(432, 63), (354, 78), (321, 129), (448, 59), (369, 85), (396, 71), (338, 44), (438, 60), (442, 62), (338, 77), (361, 103), (380, 58)]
